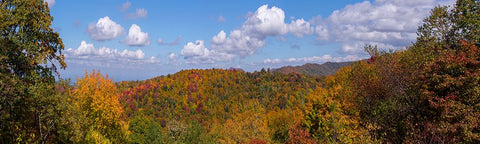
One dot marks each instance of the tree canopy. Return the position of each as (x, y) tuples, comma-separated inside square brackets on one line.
[(30, 51)]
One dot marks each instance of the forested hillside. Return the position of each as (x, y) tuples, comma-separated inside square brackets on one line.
[(427, 93), (313, 69), (224, 105)]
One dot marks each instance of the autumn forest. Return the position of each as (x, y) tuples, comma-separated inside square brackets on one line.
[(428, 92)]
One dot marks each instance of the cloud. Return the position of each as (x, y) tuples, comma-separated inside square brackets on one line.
[(299, 28), (88, 51), (266, 22), (238, 43), (172, 56), (220, 37), (313, 59), (125, 6), (105, 29), (322, 32), (251, 36), (139, 13), (87, 54), (196, 52), (221, 19), (174, 42), (194, 49), (173, 59), (153, 60), (136, 37), (389, 23), (273, 61)]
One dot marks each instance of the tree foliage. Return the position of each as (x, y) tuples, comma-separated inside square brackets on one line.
[(144, 130), (429, 92), (29, 52), (30, 47), (93, 112), (227, 105)]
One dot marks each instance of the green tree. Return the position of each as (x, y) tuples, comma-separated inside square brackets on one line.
[(30, 51), (145, 131)]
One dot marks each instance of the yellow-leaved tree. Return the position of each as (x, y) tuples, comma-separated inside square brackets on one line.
[(328, 116), (95, 100)]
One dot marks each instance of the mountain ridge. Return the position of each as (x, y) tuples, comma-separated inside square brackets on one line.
[(314, 69)]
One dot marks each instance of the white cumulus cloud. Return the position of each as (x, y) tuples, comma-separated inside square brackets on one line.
[(172, 56), (86, 53), (266, 22), (391, 24), (105, 29), (194, 49), (250, 37), (322, 32), (299, 28), (173, 59), (196, 52), (136, 37), (238, 43)]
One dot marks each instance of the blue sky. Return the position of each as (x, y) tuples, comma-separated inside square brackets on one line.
[(141, 39)]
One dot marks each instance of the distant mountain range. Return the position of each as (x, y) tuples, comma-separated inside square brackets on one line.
[(314, 69)]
